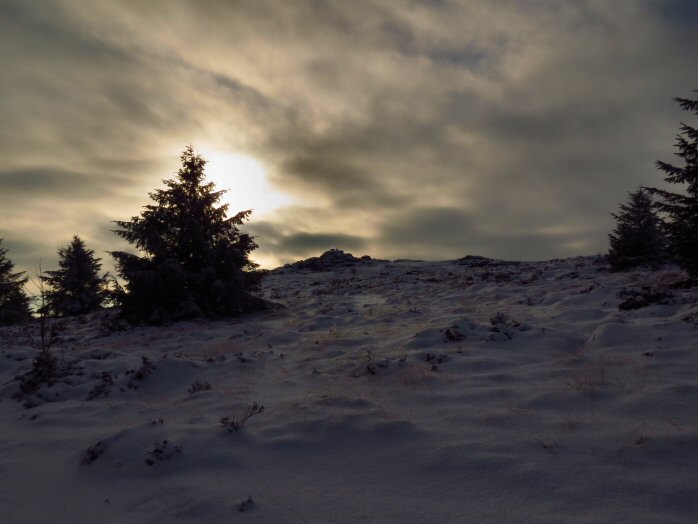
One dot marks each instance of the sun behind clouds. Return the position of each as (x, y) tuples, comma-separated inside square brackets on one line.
[(245, 180)]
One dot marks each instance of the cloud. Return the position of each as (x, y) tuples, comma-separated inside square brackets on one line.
[(437, 232), (24, 254), (290, 245), (47, 181), (426, 228), (676, 13), (414, 129)]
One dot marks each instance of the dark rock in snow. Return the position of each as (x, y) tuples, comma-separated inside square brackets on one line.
[(328, 261), (480, 261)]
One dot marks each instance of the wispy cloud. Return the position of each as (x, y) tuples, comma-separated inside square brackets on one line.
[(403, 129)]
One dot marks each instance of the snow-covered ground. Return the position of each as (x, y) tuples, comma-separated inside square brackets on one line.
[(467, 391)]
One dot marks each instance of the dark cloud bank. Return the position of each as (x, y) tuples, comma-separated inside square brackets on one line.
[(403, 129)]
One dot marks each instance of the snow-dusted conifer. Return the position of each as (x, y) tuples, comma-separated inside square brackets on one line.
[(194, 260), (638, 239), (14, 303), (681, 209), (76, 287)]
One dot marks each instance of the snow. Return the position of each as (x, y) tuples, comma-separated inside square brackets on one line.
[(407, 392)]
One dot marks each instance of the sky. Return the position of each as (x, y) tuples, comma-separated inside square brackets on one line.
[(399, 129)]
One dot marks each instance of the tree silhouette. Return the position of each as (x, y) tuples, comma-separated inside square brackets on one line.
[(681, 210), (76, 287), (14, 303), (194, 260), (638, 238)]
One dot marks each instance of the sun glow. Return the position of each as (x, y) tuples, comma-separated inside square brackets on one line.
[(245, 180)]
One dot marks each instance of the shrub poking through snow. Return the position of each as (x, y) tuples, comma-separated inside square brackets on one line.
[(44, 370), (163, 450), (434, 359), (502, 318), (453, 335), (547, 445), (101, 389), (502, 323), (246, 505), (370, 364), (234, 423), (437, 358), (141, 373), (199, 386), (643, 297), (93, 452), (502, 326)]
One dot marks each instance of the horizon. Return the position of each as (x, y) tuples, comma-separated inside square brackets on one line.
[(429, 130)]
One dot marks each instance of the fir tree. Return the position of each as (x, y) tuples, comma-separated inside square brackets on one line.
[(76, 288), (14, 303), (638, 238), (194, 259), (681, 209)]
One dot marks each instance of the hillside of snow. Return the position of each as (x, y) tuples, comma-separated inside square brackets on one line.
[(471, 390)]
